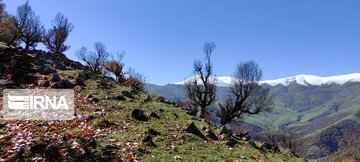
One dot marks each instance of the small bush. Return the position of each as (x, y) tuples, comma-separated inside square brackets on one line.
[(135, 79)]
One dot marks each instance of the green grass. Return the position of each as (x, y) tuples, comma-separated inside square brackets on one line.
[(174, 143)]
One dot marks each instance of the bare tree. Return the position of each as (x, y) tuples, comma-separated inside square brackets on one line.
[(135, 79), (291, 141), (55, 37), (115, 66), (29, 27), (201, 90), (247, 96), (94, 60)]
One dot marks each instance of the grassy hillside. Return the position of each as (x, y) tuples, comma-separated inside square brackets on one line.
[(109, 124), (308, 111)]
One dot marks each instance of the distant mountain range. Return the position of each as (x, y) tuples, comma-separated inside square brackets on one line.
[(325, 111), (226, 81)]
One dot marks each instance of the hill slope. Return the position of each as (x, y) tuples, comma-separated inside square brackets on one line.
[(113, 122), (303, 106)]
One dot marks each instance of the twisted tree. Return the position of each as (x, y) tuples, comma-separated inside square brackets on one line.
[(247, 96), (54, 38), (116, 66), (201, 90), (28, 25), (94, 60)]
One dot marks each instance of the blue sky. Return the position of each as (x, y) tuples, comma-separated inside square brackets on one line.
[(162, 38)]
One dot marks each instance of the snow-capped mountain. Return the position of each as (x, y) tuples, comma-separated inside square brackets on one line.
[(225, 81)]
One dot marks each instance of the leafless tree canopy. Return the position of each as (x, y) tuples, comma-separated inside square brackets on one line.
[(29, 27), (135, 79), (55, 37), (115, 66), (96, 59), (247, 96), (202, 89), (290, 141)]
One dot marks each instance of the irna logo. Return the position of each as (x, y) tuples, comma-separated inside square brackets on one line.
[(38, 104)]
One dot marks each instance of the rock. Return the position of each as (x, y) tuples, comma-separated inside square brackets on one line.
[(87, 142), (91, 99), (210, 134), (43, 83), (30, 78), (243, 135), (47, 69), (227, 134), (231, 142), (109, 150), (80, 81), (269, 147), (139, 115), (159, 99), (57, 85), (225, 131), (127, 94), (134, 91), (2, 125), (147, 99), (91, 142), (203, 128), (36, 148), (52, 153), (104, 84), (191, 128), (61, 66), (76, 65), (135, 87), (90, 117), (148, 140), (85, 75), (177, 157), (66, 84), (153, 132), (55, 78), (155, 115), (142, 151), (120, 98), (105, 123)]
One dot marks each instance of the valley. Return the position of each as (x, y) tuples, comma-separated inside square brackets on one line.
[(302, 106)]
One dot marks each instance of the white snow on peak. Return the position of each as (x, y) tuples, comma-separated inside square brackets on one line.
[(314, 80), (225, 81)]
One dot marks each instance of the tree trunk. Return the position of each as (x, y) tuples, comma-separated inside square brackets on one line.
[(203, 112), (27, 46)]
